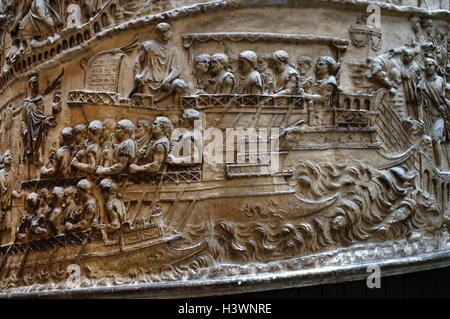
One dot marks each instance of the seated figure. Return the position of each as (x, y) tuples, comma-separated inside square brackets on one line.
[(143, 133), (40, 23), (71, 207), (158, 66), (56, 217), (114, 207), (80, 141), (252, 81), (88, 213), (304, 65), (325, 86), (44, 203), (187, 151), (154, 156), (59, 161), (286, 77), (201, 69), (86, 160), (266, 72), (221, 81), (29, 226), (125, 153), (108, 141)]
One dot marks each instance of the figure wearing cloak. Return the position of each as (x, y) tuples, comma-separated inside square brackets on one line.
[(89, 211), (8, 179), (59, 160), (40, 22), (431, 93), (410, 74), (221, 81), (158, 67), (125, 153), (155, 156), (34, 122), (285, 76)]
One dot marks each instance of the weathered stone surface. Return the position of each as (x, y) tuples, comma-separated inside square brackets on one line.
[(220, 146)]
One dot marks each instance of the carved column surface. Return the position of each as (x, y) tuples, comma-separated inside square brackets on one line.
[(192, 143)]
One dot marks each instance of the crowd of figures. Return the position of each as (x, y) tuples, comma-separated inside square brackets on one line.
[(158, 71), (105, 149), (268, 74), (70, 209), (416, 76), (63, 210), (108, 148), (33, 23)]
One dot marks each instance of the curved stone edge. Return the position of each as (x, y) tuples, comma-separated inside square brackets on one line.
[(211, 6), (252, 283)]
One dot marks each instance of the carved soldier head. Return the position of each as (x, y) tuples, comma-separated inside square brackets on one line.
[(219, 62), (162, 126), (80, 133), (431, 66), (248, 61), (108, 187), (45, 196), (32, 203), (428, 49), (325, 65), (84, 188), (202, 62), (263, 62), (415, 23), (124, 130), (66, 136), (143, 128), (427, 25), (280, 59), (304, 65), (407, 55), (95, 131), (109, 126), (70, 193), (191, 115), (33, 84), (7, 158), (164, 31), (57, 195)]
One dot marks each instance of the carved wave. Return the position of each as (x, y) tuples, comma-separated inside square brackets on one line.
[(364, 204)]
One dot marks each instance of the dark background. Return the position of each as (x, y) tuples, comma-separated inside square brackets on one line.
[(432, 284)]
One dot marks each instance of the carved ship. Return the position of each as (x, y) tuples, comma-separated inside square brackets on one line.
[(356, 187)]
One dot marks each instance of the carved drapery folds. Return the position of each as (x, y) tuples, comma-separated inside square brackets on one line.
[(414, 75), (130, 163)]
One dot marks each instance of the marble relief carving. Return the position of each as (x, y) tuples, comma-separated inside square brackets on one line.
[(146, 144)]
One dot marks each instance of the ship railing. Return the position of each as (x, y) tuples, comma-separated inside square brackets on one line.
[(68, 239), (349, 109), (190, 174)]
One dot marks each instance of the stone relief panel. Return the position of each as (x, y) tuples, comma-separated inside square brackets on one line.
[(146, 143)]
